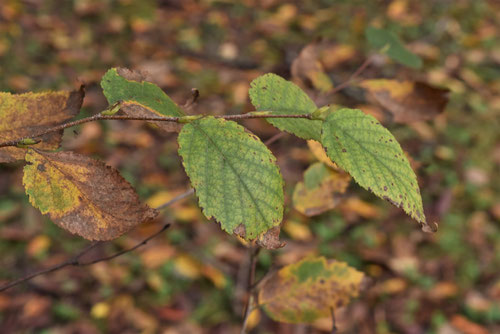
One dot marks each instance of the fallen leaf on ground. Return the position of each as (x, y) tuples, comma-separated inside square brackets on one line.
[(407, 101)]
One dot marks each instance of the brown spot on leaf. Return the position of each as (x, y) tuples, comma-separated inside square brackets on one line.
[(271, 239), (132, 75), (240, 230)]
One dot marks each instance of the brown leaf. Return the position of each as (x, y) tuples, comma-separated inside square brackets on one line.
[(83, 195), (27, 114), (407, 101)]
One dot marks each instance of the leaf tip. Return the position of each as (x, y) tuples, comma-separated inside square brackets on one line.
[(430, 228)]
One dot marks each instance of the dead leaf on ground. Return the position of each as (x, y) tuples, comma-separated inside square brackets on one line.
[(307, 290), (308, 69), (82, 195), (23, 115), (407, 101), (321, 190)]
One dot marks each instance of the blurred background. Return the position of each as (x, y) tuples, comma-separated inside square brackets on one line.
[(192, 279)]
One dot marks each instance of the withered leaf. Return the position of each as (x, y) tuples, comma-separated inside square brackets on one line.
[(27, 114), (307, 290), (407, 101), (83, 195)]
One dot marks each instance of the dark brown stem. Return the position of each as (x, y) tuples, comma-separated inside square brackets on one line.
[(99, 117), (75, 260), (252, 253), (353, 76), (334, 325)]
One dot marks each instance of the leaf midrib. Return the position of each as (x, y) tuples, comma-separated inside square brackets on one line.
[(197, 127)]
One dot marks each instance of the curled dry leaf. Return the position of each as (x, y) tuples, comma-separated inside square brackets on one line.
[(307, 290), (140, 98), (407, 101), (83, 195), (27, 114)]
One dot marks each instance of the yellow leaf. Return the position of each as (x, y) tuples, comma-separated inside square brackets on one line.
[(354, 205), (38, 245), (22, 115), (320, 154), (188, 267), (100, 310), (253, 319), (307, 290), (214, 275), (297, 231), (82, 195)]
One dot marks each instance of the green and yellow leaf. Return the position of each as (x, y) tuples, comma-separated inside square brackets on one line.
[(271, 92), (360, 145), (235, 176), (308, 290), (82, 195), (139, 98), (27, 114), (321, 190)]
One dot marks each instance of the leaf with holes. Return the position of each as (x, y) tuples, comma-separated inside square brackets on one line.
[(27, 114), (389, 43), (309, 289), (271, 92), (83, 195), (234, 174), (360, 145), (138, 97)]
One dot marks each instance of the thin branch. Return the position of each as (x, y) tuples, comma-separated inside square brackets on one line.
[(252, 253), (353, 76), (131, 249), (274, 138), (75, 260), (176, 199), (70, 262), (334, 324), (100, 117)]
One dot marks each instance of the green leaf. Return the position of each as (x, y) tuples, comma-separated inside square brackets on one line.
[(139, 98), (271, 92), (234, 174), (307, 290), (389, 43), (360, 145)]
